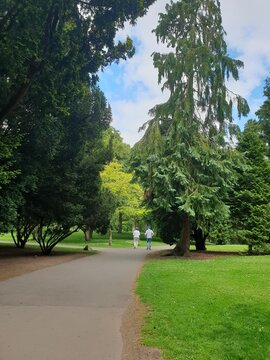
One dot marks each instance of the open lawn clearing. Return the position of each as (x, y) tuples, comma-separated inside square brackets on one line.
[(123, 240), (211, 309)]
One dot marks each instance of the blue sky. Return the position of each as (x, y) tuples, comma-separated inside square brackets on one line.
[(131, 87)]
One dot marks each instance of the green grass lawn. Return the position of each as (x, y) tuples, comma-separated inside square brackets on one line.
[(123, 240), (208, 310), (227, 247)]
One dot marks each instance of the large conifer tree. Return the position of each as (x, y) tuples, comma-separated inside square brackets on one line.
[(189, 169)]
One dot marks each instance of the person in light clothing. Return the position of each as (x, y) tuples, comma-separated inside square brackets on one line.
[(149, 234), (136, 237)]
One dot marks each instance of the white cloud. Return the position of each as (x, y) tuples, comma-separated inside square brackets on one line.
[(248, 29), (129, 116)]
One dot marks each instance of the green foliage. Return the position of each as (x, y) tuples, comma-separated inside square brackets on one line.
[(187, 168), (61, 159), (50, 53), (120, 151), (250, 200), (196, 71), (128, 195), (70, 36), (264, 116)]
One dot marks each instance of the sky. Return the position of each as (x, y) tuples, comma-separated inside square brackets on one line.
[(131, 87)]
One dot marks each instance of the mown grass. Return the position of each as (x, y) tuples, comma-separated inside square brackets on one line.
[(123, 240), (208, 310), (225, 248)]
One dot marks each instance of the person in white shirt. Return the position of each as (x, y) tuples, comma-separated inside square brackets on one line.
[(149, 234), (136, 237)]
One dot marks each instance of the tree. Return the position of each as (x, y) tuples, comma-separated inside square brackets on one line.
[(264, 116), (8, 196), (188, 169), (98, 217), (39, 34), (98, 204), (47, 50), (50, 52), (120, 151), (128, 195), (59, 162), (250, 200)]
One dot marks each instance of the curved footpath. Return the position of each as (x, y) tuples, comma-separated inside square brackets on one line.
[(70, 311)]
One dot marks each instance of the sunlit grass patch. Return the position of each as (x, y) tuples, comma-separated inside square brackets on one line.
[(203, 310)]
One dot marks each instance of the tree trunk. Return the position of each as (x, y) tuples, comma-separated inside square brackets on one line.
[(88, 234), (35, 233), (110, 236), (199, 238), (136, 223), (22, 233), (120, 223), (250, 248), (182, 247)]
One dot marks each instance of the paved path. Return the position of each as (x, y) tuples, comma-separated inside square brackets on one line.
[(70, 311)]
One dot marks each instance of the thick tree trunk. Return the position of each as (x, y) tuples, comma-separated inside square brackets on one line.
[(120, 223), (199, 238), (182, 247)]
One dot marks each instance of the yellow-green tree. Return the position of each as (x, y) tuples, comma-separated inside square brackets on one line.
[(128, 195)]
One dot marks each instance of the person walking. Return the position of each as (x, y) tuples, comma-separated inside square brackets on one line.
[(136, 237), (149, 234)]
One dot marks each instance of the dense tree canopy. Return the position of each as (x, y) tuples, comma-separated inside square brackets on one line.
[(60, 164), (264, 116), (251, 195), (120, 151), (56, 138), (70, 36), (47, 48), (52, 115), (250, 199), (128, 195), (186, 167)]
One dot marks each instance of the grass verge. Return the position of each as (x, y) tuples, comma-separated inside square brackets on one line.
[(200, 310)]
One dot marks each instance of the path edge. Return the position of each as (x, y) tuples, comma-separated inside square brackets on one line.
[(133, 320)]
